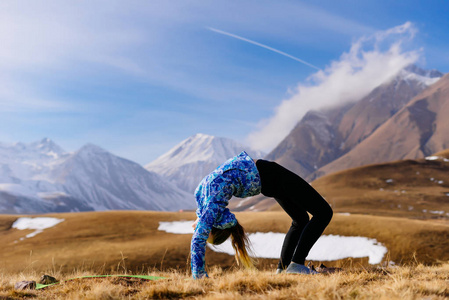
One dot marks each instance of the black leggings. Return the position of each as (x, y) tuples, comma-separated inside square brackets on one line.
[(296, 197)]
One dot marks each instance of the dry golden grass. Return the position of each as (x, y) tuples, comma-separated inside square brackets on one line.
[(407, 282), (128, 242), (108, 240)]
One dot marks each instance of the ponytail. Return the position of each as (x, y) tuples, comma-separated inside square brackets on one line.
[(241, 244), (239, 240)]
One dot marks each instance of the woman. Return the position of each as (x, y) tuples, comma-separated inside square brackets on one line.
[(241, 177)]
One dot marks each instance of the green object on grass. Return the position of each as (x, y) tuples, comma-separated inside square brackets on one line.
[(145, 277)]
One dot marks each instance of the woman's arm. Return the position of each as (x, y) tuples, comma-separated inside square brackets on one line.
[(198, 246), (215, 203)]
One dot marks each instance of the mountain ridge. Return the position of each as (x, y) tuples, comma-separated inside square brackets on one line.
[(416, 131), (190, 160), (321, 137), (40, 177)]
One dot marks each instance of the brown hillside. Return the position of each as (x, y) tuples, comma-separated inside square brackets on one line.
[(444, 153), (409, 188), (419, 129)]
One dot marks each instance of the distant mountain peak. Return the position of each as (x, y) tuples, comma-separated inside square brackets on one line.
[(46, 145), (423, 77), (201, 136), (426, 73), (201, 147), (189, 161), (91, 148), (41, 150), (313, 115)]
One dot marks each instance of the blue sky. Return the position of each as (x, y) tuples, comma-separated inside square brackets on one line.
[(138, 77)]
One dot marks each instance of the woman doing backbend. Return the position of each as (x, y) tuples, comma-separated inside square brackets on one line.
[(241, 176)]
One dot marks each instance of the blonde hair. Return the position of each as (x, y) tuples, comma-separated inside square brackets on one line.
[(239, 240)]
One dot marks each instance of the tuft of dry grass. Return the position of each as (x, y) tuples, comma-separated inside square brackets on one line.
[(406, 282)]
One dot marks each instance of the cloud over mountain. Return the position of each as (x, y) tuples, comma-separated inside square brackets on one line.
[(370, 61)]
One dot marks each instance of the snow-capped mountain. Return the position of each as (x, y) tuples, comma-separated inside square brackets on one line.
[(192, 159), (21, 161), (323, 136), (418, 130), (41, 177)]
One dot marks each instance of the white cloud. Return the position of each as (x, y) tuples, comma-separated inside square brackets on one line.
[(370, 62)]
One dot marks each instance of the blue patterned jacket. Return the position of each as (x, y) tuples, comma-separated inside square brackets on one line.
[(236, 177)]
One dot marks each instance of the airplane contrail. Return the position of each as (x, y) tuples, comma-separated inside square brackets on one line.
[(263, 46)]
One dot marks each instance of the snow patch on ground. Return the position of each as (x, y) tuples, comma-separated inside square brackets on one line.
[(327, 248), (437, 158), (39, 224), (178, 227)]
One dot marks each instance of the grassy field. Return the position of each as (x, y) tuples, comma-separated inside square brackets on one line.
[(128, 242), (406, 282), (404, 205)]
